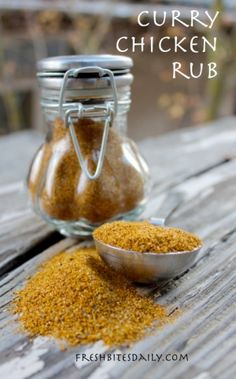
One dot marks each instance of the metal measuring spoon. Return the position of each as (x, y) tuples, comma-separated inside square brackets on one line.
[(147, 267)]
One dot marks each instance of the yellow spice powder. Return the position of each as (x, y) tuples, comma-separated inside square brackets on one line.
[(143, 236), (63, 190), (75, 297)]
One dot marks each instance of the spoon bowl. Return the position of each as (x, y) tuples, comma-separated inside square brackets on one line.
[(147, 267)]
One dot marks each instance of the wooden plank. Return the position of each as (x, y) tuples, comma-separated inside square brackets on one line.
[(20, 228), (202, 148), (17, 151), (205, 294), (204, 311)]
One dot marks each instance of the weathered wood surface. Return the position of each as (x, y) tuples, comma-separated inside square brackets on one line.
[(20, 228), (194, 173)]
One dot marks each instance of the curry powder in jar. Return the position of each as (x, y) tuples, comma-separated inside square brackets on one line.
[(88, 171)]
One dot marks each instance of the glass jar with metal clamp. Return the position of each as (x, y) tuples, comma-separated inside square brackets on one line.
[(88, 171)]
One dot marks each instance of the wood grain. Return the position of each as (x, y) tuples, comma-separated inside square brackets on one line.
[(173, 159), (194, 185), (20, 228)]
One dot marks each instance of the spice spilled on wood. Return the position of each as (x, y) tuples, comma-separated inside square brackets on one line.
[(143, 236), (77, 298)]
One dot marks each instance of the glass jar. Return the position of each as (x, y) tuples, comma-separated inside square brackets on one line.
[(88, 171)]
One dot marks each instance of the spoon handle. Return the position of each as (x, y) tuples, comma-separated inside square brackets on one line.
[(157, 221)]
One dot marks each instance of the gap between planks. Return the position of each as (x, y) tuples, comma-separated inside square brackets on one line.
[(168, 211)]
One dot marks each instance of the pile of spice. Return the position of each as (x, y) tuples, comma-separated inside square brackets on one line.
[(75, 297), (64, 191), (143, 236)]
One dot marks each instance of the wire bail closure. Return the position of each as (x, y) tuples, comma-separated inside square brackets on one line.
[(109, 115)]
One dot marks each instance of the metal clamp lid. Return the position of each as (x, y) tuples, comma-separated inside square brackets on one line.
[(110, 112)]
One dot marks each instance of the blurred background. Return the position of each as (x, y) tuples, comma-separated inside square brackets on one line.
[(34, 29)]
